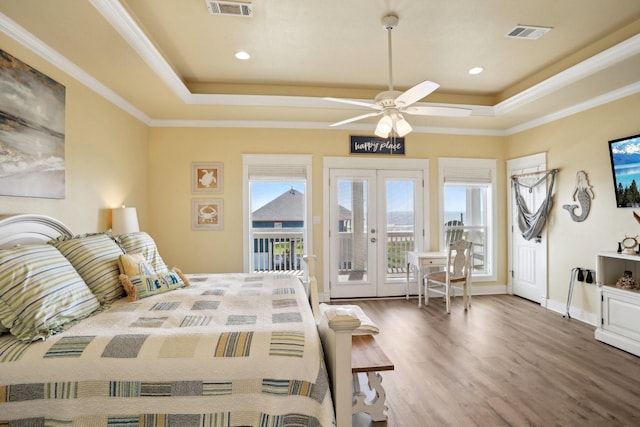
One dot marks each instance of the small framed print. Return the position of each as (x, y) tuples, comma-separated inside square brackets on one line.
[(207, 214), (206, 177)]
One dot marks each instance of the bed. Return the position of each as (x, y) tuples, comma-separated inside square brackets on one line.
[(195, 350)]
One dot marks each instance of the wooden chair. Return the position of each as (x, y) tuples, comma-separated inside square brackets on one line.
[(453, 231), (456, 275)]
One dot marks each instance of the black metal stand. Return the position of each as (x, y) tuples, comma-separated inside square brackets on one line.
[(580, 274)]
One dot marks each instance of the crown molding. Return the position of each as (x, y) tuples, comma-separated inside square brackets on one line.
[(28, 40), (582, 70)]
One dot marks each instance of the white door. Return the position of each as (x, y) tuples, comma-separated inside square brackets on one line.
[(528, 258), (374, 215)]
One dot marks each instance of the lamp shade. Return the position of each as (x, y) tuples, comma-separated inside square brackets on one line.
[(402, 126), (124, 220), (384, 127)]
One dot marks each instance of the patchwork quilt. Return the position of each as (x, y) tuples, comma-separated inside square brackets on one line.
[(230, 350)]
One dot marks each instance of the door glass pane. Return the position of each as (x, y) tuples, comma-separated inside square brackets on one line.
[(352, 230), (400, 226), (277, 225)]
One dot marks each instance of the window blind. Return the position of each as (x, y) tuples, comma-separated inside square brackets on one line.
[(277, 171), (467, 175)]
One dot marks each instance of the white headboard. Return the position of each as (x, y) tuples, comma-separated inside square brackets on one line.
[(26, 229)]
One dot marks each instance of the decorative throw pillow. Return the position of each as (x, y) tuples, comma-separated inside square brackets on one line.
[(96, 258), (135, 265), (143, 286), (40, 292), (143, 243)]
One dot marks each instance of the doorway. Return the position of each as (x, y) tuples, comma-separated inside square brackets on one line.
[(375, 217), (527, 258)]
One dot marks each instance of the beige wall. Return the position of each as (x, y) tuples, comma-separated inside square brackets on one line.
[(580, 142), (172, 150), (105, 157)]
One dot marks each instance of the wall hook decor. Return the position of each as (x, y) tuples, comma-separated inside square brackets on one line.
[(583, 194)]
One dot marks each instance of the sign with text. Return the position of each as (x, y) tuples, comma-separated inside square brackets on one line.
[(375, 145)]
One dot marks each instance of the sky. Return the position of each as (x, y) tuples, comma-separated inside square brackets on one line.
[(264, 192)]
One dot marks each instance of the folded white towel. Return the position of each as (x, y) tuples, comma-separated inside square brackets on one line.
[(367, 327)]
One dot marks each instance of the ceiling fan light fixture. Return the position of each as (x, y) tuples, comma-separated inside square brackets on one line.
[(381, 134), (402, 126), (384, 127)]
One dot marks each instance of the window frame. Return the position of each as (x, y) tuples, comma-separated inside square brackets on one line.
[(473, 172), (279, 164)]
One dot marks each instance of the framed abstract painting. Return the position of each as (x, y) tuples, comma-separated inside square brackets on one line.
[(32, 117)]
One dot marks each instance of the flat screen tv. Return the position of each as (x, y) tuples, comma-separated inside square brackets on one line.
[(625, 165)]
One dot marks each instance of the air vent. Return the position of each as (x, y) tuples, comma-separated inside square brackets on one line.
[(527, 32), (232, 8)]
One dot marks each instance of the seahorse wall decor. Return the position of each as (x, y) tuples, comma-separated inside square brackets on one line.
[(583, 194)]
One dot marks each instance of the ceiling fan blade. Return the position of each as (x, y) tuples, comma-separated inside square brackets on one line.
[(353, 119), (416, 93), (438, 111), (354, 102)]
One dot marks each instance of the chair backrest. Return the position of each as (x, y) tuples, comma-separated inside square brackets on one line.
[(459, 259), (453, 231)]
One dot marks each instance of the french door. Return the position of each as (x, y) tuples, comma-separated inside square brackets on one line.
[(375, 217)]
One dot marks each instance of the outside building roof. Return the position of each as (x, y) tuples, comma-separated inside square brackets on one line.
[(289, 206)]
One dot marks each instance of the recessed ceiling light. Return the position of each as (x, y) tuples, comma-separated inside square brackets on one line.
[(476, 70), (243, 55)]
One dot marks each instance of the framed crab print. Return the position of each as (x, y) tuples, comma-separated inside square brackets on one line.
[(206, 177), (206, 214)]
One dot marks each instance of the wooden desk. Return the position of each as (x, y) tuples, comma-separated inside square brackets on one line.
[(421, 261), (368, 358)]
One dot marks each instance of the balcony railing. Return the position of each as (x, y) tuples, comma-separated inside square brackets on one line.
[(281, 251), (278, 251)]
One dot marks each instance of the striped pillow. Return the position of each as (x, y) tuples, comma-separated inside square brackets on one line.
[(96, 258), (40, 292), (142, 242)]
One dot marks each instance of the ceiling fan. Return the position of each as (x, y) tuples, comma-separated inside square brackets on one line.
[(392, 103)]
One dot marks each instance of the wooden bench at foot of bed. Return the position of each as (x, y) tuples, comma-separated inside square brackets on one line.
[(336, 328), (367, 361)]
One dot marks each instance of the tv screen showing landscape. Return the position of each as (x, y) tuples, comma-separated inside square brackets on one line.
[(625, 164)]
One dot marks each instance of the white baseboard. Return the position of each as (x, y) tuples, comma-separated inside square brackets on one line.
[(581, 315), (489, 290)]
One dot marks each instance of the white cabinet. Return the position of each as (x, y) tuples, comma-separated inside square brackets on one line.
[(618, 309)]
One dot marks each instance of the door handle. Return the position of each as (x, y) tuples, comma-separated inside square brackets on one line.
[(373, 240)]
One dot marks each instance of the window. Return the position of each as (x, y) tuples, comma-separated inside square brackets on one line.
[(468, 208), (276, 206)]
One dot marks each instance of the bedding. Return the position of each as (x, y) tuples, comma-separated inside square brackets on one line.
[(229, 350), (96, 258), (141, 242), (40, 292)]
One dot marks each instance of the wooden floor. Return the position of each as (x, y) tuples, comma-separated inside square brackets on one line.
[(506, 362)]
